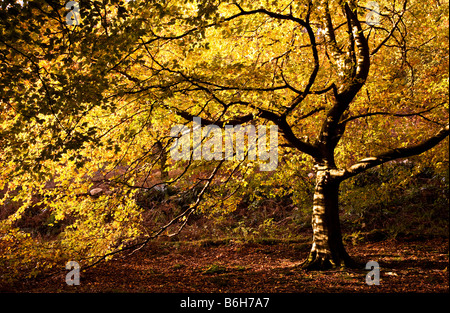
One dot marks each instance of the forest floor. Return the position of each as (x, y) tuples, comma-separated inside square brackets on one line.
[(263, 266)]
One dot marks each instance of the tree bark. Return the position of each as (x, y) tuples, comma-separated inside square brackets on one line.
[(327, 249), (162, 161)]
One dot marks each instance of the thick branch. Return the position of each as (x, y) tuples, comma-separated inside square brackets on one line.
[(330, 33), (288, 134), (363, 60), (232, 122), (332, 131), (393, 154), (325, 90)]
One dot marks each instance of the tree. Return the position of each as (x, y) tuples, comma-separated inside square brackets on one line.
[(333, 76)]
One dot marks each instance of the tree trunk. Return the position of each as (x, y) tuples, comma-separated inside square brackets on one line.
[(162, 161), (327, 249)]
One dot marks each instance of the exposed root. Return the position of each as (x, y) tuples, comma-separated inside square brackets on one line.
[(318, 264), (321, 262)]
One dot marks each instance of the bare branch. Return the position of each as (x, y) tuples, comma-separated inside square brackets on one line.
[(279, 16), (391, 32), (325, 90), (158, 233), (387, 113)]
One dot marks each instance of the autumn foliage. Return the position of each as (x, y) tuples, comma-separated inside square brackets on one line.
[(87, 111)]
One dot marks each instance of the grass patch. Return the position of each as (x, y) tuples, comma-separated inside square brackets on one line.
[(215, 269), (178, 266)]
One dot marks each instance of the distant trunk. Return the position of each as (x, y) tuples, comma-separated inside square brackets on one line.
[(327, 249), (162, 161), (163, 164)]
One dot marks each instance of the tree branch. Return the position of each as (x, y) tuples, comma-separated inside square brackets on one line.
[(288, 134), (363, 60), (186, 214), (289, 17), (393, 154), (391, 32), (233, 122), (387, 113), (312, 77), (353, 81)]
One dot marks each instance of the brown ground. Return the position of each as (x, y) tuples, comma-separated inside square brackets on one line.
[(406, 266)]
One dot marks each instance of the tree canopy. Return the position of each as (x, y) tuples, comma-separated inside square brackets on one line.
[(348, 88)]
